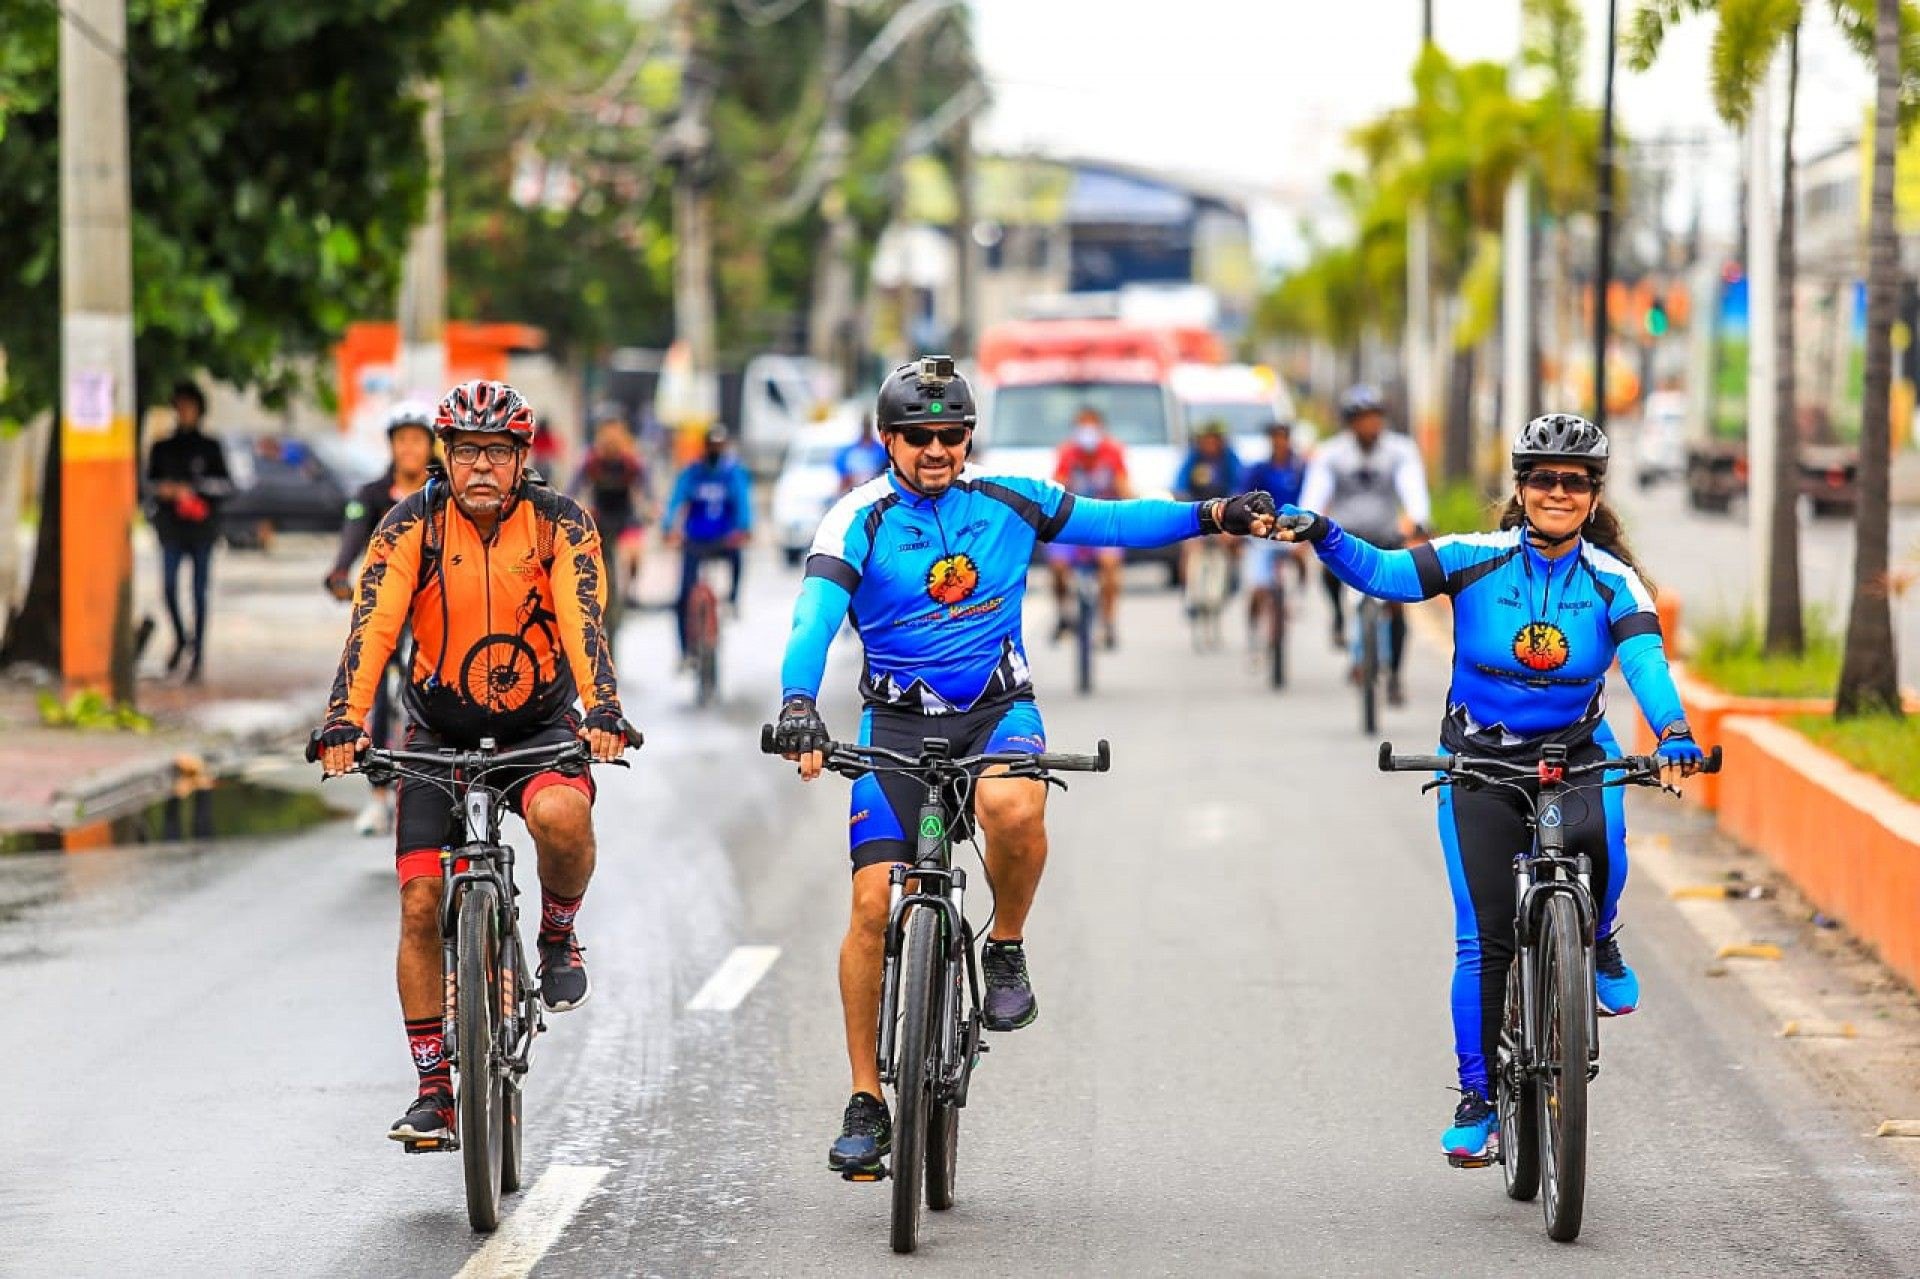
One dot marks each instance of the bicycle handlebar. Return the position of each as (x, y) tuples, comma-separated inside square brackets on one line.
[(559, 755), (848, 757), (1635, 766)]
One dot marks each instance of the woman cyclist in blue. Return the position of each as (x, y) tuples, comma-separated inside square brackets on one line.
[(1541, 609)]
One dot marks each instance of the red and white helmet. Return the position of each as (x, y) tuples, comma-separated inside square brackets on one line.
[(481, 405)]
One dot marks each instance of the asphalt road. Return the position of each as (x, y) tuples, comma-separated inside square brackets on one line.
[(1241, 1066)]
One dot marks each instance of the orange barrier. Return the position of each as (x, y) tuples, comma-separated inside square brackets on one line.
[(1846, 839), (1707, 710)]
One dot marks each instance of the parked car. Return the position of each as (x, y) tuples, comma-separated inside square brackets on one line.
[(290, 484), (1660, 444), (809, 482), (1829, 476)]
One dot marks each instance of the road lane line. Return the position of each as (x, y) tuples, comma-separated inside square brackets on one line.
[(532, 1228), (737, 975)]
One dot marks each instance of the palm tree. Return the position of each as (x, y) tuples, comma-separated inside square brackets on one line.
[(1869, 672)]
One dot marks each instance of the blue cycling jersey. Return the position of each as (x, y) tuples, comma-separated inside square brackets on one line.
[(717, 498), (935, 585), (1282, 481), (1202, 478), (860, 461), (1532, 637)]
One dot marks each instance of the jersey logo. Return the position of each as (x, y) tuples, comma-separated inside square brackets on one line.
[(1541, 646), (952, 579)]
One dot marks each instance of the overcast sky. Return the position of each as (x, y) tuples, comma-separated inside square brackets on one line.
[(1263, 92)]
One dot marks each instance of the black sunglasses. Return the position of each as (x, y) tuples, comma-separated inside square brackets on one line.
[(1576, 483), (920, 436)]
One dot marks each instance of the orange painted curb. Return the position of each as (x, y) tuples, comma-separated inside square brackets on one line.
[(1707, 709), (1845, 838)]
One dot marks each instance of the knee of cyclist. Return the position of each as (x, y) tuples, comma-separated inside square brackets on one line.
[(560, 817), (870, 901), (420, 908), (1014, 812)]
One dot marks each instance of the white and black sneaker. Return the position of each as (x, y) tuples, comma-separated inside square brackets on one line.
[(430, 1118), (563, 974)]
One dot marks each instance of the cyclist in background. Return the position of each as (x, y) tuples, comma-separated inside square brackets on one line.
[(410, 444), (1541, 609), (861, 460), (1373, 483), (615, 481), (1093, 463), (1211, 469), (1281, 474), (715, 496)]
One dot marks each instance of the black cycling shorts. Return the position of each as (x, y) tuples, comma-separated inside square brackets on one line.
[(424, 816)]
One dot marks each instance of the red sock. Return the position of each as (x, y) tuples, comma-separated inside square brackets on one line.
[(557, 914), (427, 1040)]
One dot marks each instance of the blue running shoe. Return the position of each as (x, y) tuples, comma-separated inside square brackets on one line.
[(1472, 1142), (1615, 986), (865, 1141)]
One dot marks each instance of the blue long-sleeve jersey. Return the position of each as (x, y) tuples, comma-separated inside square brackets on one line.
[(935, 585), (717, 499), (1532, 637)]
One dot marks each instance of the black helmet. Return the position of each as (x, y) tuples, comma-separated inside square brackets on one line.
[(925, 392), (1361, 399), (1560, 437)]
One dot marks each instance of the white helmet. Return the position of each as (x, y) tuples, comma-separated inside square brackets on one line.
[(410, 413)]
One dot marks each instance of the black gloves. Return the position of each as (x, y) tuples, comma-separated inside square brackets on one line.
[(800, 730), (331, 735), (606, 718), (1235, 514), (1307, 526)]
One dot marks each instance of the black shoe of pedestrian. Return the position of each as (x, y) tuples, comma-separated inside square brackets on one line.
[(866, 1139), (1010, 1003), (563, 974), (429, 1118), (179, 655)]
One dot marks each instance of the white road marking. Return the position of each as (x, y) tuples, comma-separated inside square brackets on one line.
[(532, 1228), (734, 979)]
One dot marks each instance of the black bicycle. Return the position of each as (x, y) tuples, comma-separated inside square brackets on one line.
[(930, 1018), (492, 1013), (1550, 1036)]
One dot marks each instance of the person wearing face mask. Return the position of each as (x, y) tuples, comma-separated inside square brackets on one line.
[(1093, 463), (709, 516), (930, 562), (1541, 609)]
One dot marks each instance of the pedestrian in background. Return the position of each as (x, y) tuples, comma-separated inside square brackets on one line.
[(187, 483)]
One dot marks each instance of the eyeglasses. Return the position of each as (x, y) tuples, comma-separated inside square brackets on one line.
[(1576, 483), (920, 436), (497, 454)]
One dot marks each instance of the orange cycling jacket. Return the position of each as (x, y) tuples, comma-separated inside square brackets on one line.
[(506, 630)]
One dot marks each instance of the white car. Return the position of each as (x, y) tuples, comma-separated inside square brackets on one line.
[(809, 483), (1245, 398), (1660, 444)]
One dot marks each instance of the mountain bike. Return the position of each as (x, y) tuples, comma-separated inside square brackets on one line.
[(930, 1021), (1209, 580), (1372, 647), (1269, 605), (703, 629), (492, 1013), (1550, 1036)]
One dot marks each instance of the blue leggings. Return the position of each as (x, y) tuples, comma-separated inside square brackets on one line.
[(1481, 832)]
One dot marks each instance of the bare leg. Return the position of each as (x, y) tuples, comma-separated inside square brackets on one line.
[(861, 955), (418, 968), (1012, 813)]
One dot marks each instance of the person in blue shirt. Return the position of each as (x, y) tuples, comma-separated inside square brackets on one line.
[(1541, 609), (861, 460), (715, 497), (1281, 473), (930, 560)]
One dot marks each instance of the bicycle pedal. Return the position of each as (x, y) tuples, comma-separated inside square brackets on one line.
[(431, 1145), (865, 1174), (1480, 1161)]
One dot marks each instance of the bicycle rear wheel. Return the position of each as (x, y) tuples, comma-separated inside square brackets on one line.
[(1565, 1001), (1277, 633), (943, 1118), (703, 629), (512, 1144), (1369, 667), (914, 1087), (1518, 1102), (1084, 620), (477, 1005)]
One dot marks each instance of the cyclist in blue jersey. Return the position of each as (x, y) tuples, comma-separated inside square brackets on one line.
[(1281, 473), (861, 460), (930, 560), (1541, 609), (716, 497)]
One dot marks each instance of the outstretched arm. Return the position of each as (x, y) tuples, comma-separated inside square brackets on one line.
[(1389, 575), (817, 616), (1086, 521)]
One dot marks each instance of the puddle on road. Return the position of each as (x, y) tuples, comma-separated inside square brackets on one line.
[(224, 810)]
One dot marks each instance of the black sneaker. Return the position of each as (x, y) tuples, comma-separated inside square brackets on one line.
[(1010, 1003), (563, 974), (866, 1138), (430, 1118)]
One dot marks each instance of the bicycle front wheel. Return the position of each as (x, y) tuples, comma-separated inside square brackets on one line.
[(1565, 1002), (477, 1005), (943, 1115), (913, 1091)]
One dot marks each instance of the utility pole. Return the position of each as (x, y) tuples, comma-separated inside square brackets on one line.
[(423, 276), (1763, 315), (1603, 268), (1418, 344), (1516, 304), (98, 400), (966, 281), (690, 145), (827, 336)]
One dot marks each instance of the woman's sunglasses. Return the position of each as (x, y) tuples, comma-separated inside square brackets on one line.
[(1576, 483), (920, 436)]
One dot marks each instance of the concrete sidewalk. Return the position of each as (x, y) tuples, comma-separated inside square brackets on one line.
[(274, 640)]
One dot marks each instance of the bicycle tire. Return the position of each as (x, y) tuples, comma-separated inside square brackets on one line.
[(914, 1086), (512, 1138), (477, 1005), (1277, 635), (1083, 639), (943, 1118), (1517, 1100), (709, 676), (1369, 670), (1564, 1003)]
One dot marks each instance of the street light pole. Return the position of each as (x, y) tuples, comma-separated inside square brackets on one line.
[(1603, 267)]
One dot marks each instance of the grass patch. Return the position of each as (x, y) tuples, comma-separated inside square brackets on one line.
[(1729, 654), (1463, 507), (1888, 748)]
